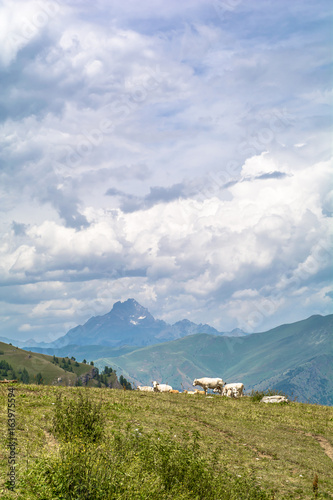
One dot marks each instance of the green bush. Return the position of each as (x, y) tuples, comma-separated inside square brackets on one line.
[(133, 465), (78, 419)]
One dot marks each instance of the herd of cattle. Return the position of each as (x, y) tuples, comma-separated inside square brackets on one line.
[(235, 390)]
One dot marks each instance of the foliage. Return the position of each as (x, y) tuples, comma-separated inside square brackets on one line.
[(6, 370), (39, 378), (24, 376), (66, 365), (107, 378), (107, 371), (134, 465), (125, 383), (78, 418), (55, 360)]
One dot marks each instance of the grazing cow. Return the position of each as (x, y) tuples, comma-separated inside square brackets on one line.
[(209, 383), (234, 390), (145, 388), (161, 387), (199, 392), (174, 391)]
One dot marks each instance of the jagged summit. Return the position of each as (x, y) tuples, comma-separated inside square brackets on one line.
[(128, 305), (130, 310), (129, 323)]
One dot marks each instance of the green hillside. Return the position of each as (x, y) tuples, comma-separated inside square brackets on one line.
[(296, 357), (36, 363), (88, 352)]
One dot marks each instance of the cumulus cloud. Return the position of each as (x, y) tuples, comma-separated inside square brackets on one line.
[(162, 151), (194, 251)]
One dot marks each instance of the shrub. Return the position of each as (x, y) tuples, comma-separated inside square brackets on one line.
[(78, 419), (134, 465)]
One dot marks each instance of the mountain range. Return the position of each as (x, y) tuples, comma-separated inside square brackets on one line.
[(296, 358), (128, 323)]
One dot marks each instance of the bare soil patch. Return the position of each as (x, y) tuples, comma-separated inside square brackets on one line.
[(326, 445)]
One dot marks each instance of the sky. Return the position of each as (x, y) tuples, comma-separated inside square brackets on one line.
[(177, 153)]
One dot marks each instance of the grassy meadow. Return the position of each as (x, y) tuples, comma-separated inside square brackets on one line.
[(147, 445)]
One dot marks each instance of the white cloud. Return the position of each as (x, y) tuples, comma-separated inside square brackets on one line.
[(22, 25), (25, 328), (207, 253), (216, 160)]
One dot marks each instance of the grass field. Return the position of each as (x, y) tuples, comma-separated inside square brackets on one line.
[(279, 447)]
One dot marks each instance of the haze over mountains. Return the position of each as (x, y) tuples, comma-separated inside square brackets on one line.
[(131, 324), (128, 323), (296, 358)]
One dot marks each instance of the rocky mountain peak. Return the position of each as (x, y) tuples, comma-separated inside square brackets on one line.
[(131, 310)]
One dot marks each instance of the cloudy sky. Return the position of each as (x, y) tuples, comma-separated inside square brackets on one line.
[(178, 153)]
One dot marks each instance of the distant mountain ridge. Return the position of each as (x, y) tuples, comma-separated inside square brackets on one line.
[(128, 323), (295, 358)]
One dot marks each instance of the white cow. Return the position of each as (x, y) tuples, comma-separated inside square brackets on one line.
[(234, 390), (274, 399), (161, 387), (209, 383), (145, 388)]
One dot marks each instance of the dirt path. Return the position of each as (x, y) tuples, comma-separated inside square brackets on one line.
[(326, 445)]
